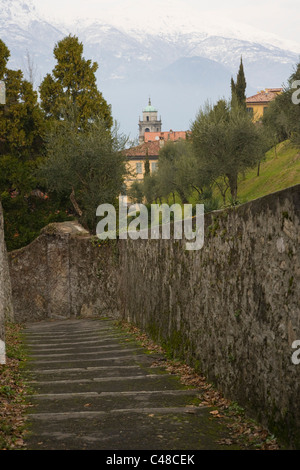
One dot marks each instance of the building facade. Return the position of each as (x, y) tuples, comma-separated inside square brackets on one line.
[(151, 140), (257, 104), (136, 159)]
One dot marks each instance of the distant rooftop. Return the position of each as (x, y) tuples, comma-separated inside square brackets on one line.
[(264, 96), (166, 136), (150, 149)]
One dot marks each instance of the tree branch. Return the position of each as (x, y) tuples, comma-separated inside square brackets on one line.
[(75, 204)]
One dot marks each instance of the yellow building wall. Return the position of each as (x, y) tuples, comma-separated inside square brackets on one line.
[(134, 176), (258, 110)]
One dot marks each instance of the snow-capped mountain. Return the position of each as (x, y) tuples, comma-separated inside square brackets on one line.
[(25, 33), (179, 57)]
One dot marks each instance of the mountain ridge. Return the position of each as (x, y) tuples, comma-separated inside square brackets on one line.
[(137, 62)]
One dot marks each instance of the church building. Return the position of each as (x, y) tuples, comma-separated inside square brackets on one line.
[(150, 122), (151, 140)]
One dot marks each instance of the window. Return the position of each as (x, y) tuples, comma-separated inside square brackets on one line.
[(147, 129), (250, 111), (265, 109), (153, 166), (139, 168), (147, 118)]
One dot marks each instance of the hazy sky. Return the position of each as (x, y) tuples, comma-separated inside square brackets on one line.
[(279, 17)]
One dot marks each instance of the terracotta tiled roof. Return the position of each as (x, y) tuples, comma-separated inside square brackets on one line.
[(170, 135), (275, 90), (264, 96), (147, 148)]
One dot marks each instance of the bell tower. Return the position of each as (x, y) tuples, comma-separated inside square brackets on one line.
[(150, 122)]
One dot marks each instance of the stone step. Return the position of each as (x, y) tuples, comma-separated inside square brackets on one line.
[(126, 359), (63, 345), (100, 352), (179, 428), (101, 384), (108, 401), (105, 371)]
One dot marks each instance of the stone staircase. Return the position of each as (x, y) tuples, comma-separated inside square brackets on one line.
[(94, 388)]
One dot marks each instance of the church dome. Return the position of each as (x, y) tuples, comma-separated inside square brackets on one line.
[(150, 108)]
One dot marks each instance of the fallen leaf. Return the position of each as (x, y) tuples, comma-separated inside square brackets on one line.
[(19, 442), (227, 442)]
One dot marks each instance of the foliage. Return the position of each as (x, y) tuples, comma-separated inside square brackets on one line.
[(226, 142), (147, 165), (86, 165), (21, 120), (26, 208), (238, 88), (176, 169), (13, 391), (282, 118), (136, 192), (25, 217), (73, 82), (151, 188), (4, 56)]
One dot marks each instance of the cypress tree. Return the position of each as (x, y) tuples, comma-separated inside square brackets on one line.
[(240, 86), (147, 164)]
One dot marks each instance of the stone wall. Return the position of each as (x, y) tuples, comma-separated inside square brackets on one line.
[(231, 309), (61, 275), (6, 310)]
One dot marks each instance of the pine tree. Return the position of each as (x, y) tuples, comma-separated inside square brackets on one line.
[(21, 145), (4, 56), (73, 81), (21, 119)]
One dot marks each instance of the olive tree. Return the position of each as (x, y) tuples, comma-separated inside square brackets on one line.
[(226, 142), (87, 164)]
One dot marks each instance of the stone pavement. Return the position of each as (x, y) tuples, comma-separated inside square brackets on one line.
[(94, 388)]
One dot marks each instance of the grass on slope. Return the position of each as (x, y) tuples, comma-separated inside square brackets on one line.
[(280, 170)]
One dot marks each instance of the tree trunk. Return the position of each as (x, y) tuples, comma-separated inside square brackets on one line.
[(232, 179), (182, 196)]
